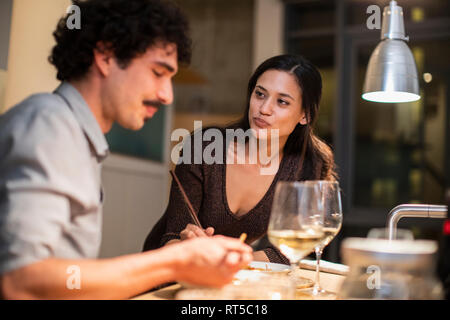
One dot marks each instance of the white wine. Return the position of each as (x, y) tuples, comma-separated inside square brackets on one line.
[(295, 244), (328, 235)]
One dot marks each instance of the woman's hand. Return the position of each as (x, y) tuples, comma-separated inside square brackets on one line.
[(192, 231)]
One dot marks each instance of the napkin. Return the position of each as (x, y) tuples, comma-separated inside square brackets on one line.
[(325, 266)]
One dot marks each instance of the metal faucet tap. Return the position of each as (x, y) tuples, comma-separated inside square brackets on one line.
[(413, 210)]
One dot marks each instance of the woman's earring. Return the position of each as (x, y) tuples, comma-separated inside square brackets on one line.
[(303, 121)]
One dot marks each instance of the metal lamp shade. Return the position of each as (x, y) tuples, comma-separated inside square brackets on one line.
[(392, 74)]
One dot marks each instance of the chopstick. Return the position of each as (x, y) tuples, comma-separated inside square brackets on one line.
[(186, 200)]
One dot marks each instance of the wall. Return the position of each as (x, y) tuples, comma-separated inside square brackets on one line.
[(230, 39), (135, 197), (221, 32), (5, 26), (267, 30), (31, 41)]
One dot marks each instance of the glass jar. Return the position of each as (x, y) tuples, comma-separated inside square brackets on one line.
[(390, 269)]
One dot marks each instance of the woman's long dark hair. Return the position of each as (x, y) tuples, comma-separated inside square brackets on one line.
[(316, 158)]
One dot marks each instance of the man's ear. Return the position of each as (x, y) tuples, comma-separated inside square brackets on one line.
[(103, 58)]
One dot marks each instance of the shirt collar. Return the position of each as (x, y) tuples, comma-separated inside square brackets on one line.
[(85, 117)]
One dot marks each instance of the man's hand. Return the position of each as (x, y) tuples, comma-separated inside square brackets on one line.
[(211, 261), (192, 231)]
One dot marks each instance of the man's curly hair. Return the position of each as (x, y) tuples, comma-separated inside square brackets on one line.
[(127, 27)]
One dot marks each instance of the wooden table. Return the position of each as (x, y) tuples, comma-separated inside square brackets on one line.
[(330, 282)]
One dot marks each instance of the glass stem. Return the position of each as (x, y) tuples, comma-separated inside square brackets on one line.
[(293, 267), (317, 287)]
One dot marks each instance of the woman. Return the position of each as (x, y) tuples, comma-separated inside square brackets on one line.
[(230, 199)]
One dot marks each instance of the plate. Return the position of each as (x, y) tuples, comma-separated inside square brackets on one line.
[(261, 280), (201, 294), (269, 266), (257, 269)]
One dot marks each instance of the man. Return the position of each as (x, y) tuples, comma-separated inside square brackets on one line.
[(117, 68)]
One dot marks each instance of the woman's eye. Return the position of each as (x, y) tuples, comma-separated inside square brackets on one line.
[(259, 94), (283, 102)]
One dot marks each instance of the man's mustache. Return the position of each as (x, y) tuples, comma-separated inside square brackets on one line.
[(153, 103)]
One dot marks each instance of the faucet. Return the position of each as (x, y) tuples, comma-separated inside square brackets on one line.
[(413, 210)]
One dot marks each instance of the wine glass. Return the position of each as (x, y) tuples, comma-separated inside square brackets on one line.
[(332, 222), (296, 223)]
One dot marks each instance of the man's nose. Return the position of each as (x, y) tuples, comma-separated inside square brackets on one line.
[(165, 93)]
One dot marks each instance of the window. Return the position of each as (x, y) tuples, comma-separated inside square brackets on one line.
[(387, 154)]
